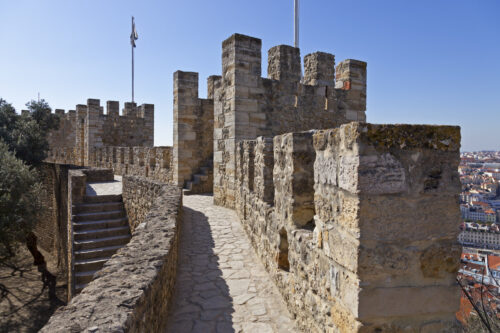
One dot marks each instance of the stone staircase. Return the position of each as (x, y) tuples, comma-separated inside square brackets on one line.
[(100, 228), (202, 181)]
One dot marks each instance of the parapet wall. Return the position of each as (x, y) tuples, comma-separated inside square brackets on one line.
[(150, 162), (247, 106), (145, 268), (345, 221), (138, 198)]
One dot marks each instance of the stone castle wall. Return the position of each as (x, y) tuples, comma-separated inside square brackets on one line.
[(88, 127), (103, 306), (51, 224), (341, 212), (247, 106), (66, 135), (149, 162), (139, 195), (344, 220)]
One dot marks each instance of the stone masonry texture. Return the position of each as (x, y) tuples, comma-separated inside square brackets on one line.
[(51, 225), (138, 197), (149, 162), (340, 212), (247, 106), (193, 126), (351, 238), (88, 137), (131, 292), (133, 128)]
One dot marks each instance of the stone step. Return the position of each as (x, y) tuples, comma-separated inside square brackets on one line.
[(84, 277), (95, 253), (97, 207), (100, 233), (189, 185), (97, 216), (102, 198), (100, 224), (101, 242), (85, 265)]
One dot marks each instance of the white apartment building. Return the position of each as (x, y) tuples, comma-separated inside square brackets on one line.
[(479, 238)]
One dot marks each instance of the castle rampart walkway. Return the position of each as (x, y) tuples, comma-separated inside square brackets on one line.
[(221, 284)]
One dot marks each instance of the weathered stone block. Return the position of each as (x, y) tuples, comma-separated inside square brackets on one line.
[(293, 174), (319, 69), (284, 63), (376, 214), (264, 164)]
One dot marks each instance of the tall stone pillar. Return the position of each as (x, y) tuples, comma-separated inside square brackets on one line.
[(147, 112), (186, 108), (237, 114), (93, 128)]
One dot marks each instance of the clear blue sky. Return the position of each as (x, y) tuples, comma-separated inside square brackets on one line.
[(429, 62)]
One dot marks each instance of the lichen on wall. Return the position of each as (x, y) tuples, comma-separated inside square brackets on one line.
[(372, 239)]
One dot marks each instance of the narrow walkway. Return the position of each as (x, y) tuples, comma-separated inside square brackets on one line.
[(221, 284), (105, 188)]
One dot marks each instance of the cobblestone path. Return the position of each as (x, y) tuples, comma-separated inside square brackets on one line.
[(221, 284)]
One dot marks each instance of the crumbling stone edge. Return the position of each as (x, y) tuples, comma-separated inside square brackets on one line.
[(131, 292)]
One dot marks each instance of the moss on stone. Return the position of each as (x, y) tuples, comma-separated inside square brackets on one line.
[(445, 138)]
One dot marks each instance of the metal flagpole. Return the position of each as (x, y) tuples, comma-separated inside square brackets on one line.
[(132, 45), (296, 23), (133, 38)]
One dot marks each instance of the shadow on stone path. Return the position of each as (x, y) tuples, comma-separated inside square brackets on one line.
[(221, 285)]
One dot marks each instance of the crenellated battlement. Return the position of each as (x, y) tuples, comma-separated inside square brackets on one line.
[(246, 105), (130, 110), (89, 126)]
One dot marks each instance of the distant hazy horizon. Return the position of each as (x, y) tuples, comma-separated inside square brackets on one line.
[(428, 62)]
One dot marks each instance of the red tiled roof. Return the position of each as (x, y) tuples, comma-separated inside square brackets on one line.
[(494, 262)]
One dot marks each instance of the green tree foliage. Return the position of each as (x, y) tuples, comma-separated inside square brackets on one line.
[(19, 200), (41, 113), (23, 146), (26, 135)]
